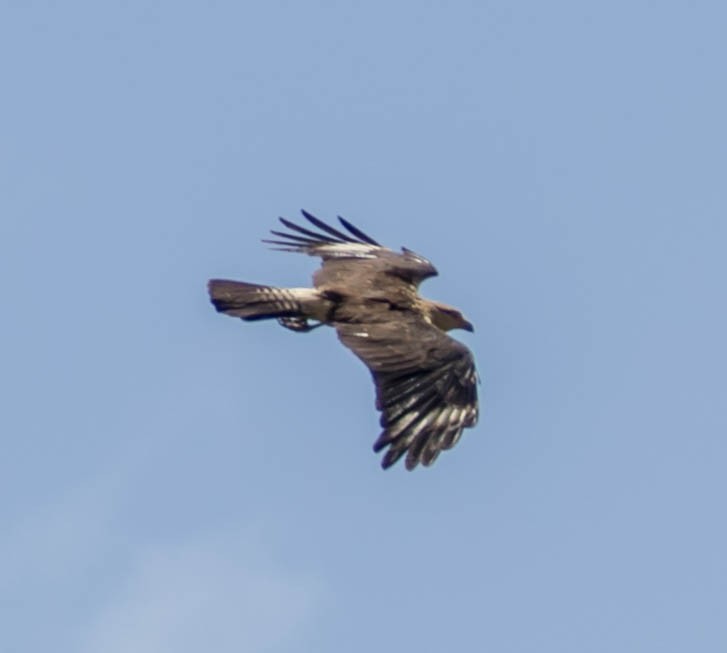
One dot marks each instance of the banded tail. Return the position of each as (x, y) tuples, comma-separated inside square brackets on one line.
[(250, 301)]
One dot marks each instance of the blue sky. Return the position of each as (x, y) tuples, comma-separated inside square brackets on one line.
[(175, 480)]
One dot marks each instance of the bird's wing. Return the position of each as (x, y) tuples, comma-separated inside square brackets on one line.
[(328, 242), (351, 257), (426, 385)]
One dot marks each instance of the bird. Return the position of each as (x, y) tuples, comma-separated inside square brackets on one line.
[(425, 380)]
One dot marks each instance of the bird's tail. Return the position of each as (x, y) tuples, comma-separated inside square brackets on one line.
[(250, 301)]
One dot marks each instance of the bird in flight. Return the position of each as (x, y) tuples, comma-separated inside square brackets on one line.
[(426, 382)]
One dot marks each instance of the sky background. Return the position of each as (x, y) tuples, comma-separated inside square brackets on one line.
[(177, 481)]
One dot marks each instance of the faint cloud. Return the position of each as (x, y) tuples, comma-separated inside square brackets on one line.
[(71, 565), (219, 594)]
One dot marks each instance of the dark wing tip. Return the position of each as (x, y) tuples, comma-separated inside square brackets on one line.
[(357, 232), (423, 418), (316, 237), (304, 238), (327, 228), (391, 457)]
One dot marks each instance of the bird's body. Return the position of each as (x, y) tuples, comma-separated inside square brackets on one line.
[(426, 382)]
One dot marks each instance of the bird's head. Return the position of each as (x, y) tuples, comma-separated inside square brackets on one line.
[(447, 317)]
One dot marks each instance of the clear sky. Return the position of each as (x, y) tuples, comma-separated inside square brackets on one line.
[(177, 481)]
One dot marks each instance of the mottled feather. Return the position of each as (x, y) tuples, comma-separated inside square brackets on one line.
[(426, 386)]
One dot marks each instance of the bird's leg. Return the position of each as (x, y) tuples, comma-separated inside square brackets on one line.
[(298, 324)]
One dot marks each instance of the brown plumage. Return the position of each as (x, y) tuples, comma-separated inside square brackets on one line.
[(426, 383)]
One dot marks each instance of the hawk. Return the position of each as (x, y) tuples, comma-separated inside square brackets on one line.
[(426, 382)]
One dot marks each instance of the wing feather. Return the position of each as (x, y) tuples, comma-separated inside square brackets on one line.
[(426, 386), (357, 232), (300, 239), (342, 255), (314, 236), (327, 228), (327, 235)]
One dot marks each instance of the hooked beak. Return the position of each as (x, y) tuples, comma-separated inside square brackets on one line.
[(467, 326)]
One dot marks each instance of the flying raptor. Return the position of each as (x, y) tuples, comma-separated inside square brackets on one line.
[(426, 382)]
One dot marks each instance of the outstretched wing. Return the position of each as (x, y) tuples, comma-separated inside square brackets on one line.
[(426, 386), (352, 258)]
